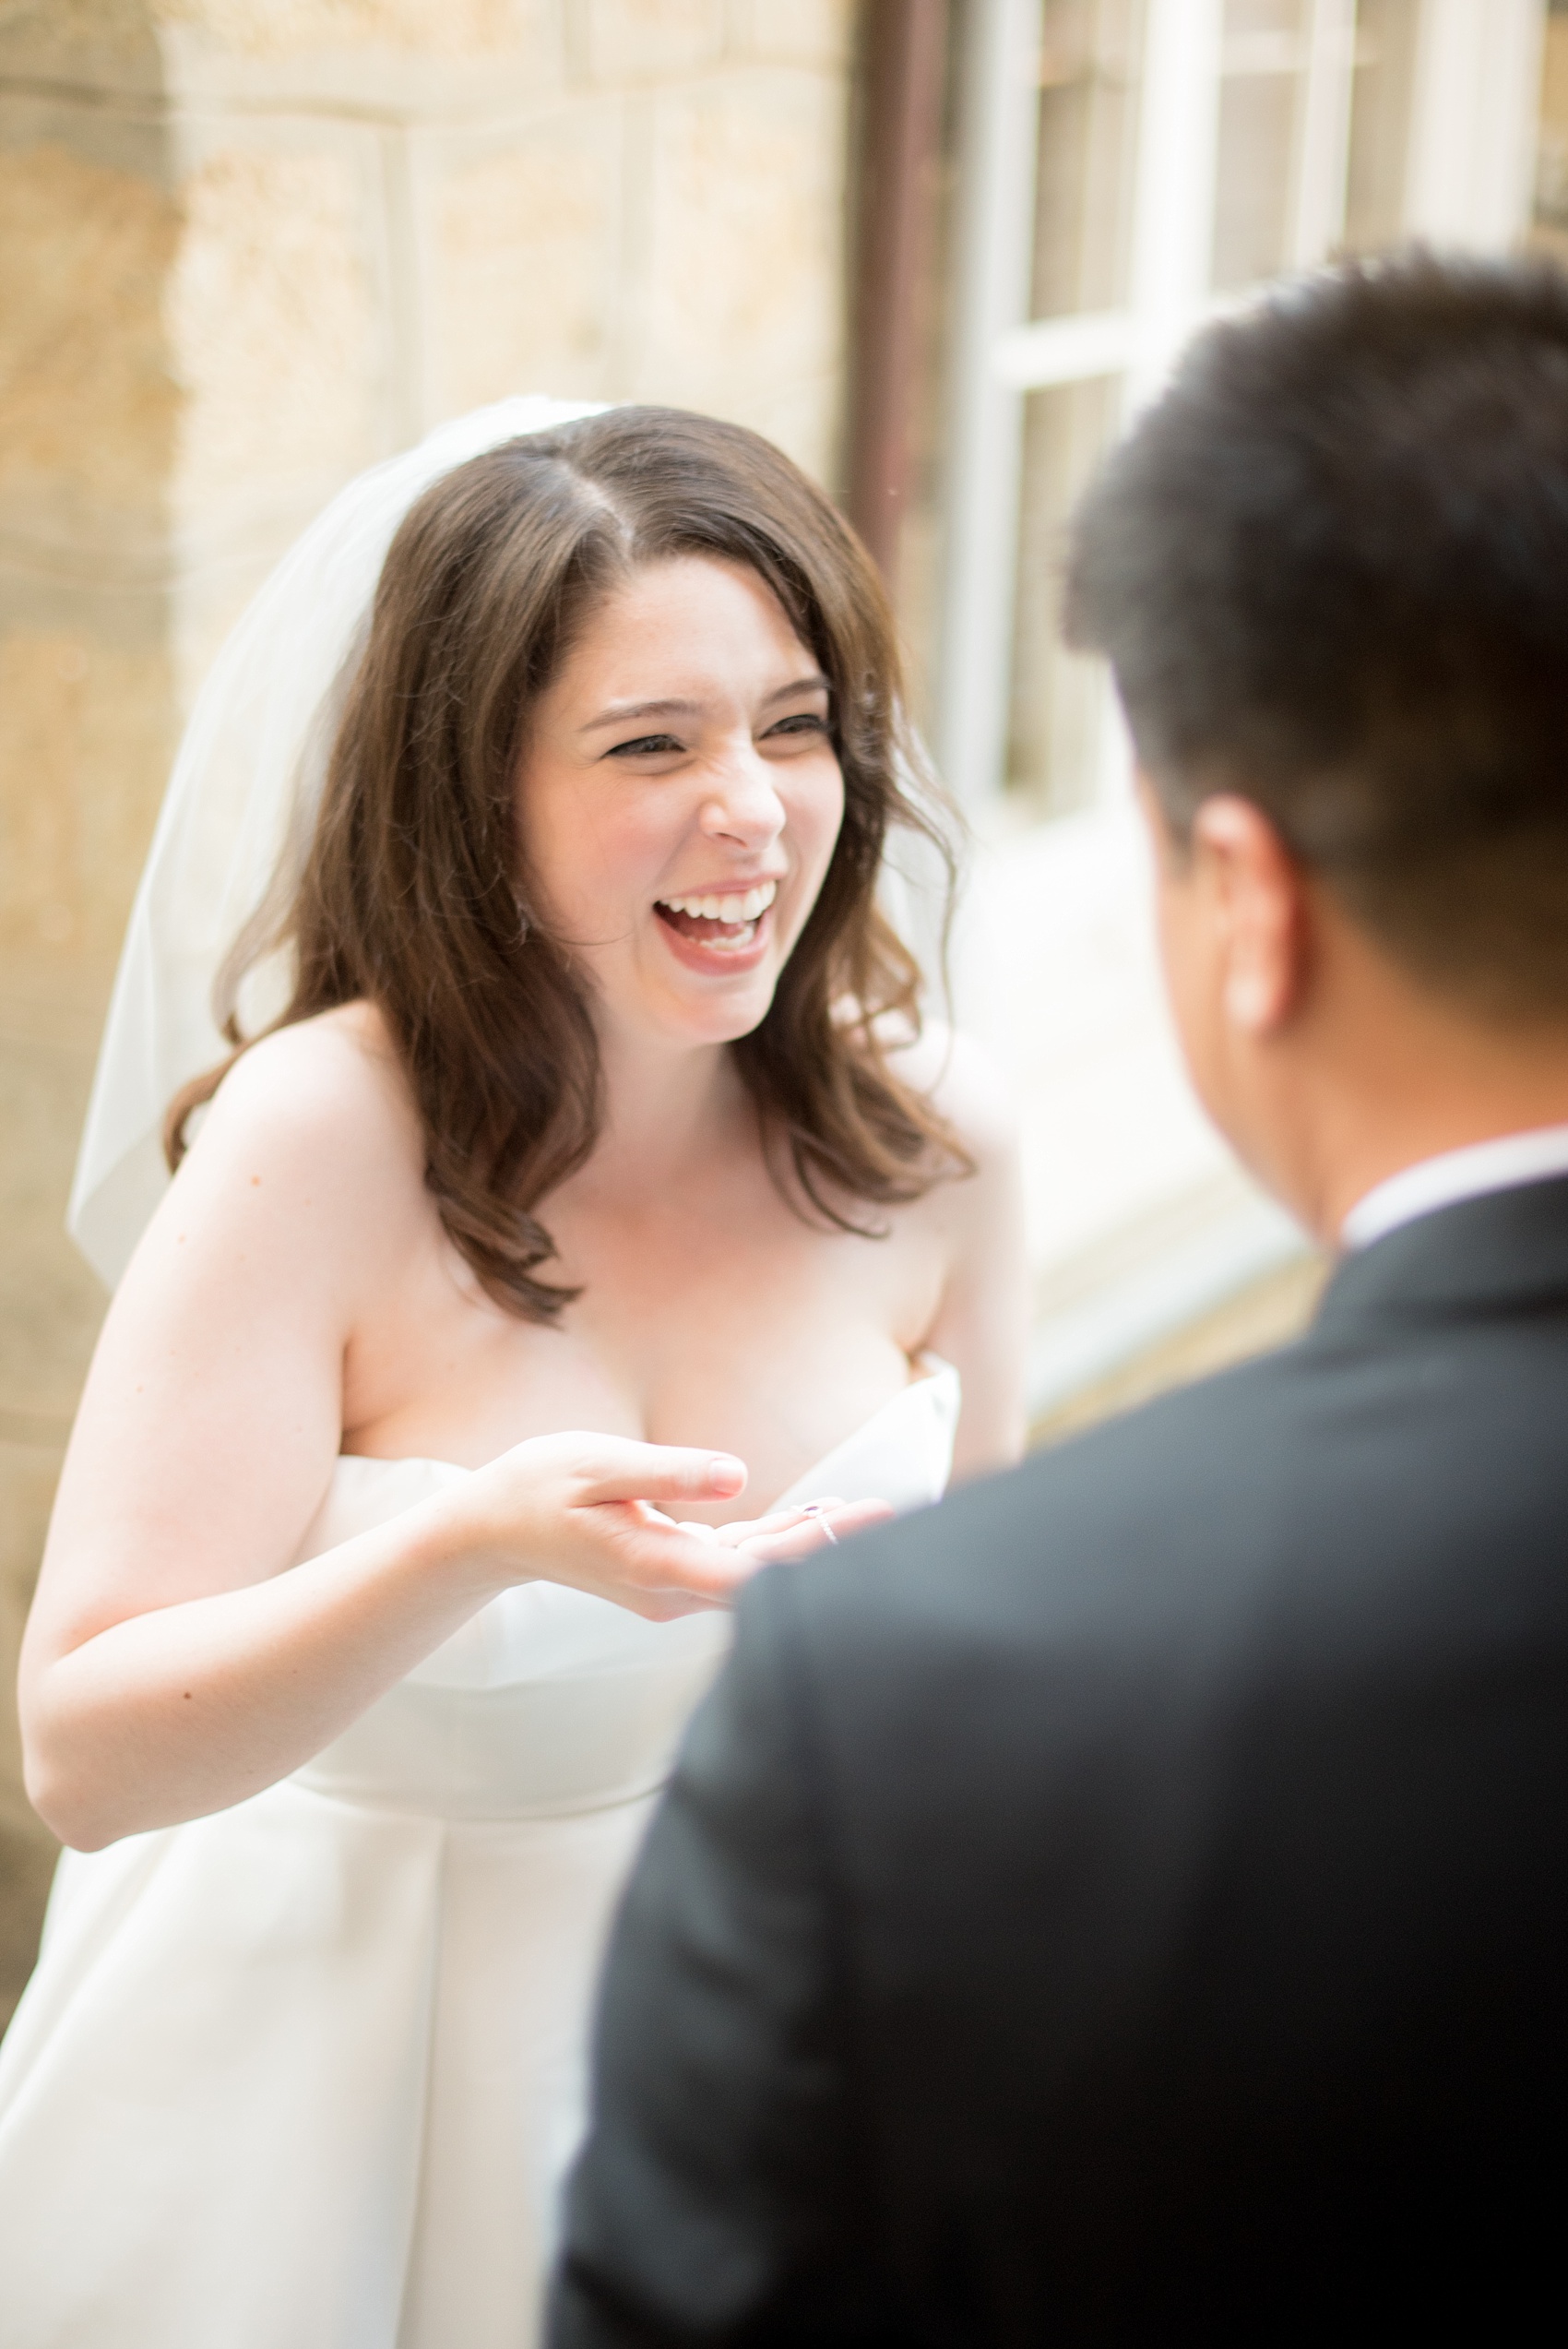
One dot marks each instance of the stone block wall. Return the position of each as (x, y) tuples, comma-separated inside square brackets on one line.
[(246, 247)]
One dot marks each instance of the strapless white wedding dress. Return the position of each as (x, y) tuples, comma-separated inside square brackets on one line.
[(305, 2074)]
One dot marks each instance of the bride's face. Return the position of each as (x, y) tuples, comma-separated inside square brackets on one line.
[(681, 797)]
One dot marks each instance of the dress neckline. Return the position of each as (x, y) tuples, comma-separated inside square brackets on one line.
[(931, 1367)]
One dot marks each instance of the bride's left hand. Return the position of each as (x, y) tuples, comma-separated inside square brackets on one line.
[(792, 1533)]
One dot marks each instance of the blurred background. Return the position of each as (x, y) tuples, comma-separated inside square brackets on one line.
[(938, 249)]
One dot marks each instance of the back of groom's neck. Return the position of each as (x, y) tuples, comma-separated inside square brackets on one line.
[(1390, 1073)]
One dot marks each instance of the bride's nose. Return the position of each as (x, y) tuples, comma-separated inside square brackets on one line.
[(741, 802)]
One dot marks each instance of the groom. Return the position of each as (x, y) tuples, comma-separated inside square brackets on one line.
[(1130, 1902)]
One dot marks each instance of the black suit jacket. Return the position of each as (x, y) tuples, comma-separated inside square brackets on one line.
[(1129, 1901)]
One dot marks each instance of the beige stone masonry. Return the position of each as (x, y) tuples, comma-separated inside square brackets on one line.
[(411, 59), (88, 408)]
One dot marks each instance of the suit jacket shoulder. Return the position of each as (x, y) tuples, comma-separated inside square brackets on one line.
[(1141, 1876)]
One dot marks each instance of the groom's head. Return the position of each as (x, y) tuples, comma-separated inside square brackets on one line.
[(1330, 569)]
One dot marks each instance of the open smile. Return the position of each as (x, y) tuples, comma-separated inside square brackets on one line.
[(722, 928)]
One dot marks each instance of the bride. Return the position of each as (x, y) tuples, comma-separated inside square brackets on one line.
[(595, 1100)]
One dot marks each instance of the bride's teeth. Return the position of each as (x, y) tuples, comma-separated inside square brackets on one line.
[(745, 908)]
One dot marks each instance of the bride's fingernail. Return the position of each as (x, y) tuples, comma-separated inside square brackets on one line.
[(725, 1469)]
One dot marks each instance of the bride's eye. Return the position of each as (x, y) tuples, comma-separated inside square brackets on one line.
[(804, 721), (645, 747)]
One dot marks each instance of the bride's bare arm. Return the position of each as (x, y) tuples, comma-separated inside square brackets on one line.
[(170, 1668), (172, 1713), (981, 1321)]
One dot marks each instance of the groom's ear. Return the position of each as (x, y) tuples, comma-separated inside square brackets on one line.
[(1253, 896), (1234, 941)]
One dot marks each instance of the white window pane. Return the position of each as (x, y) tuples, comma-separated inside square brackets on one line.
[(1090, 56), (1260, 102), (1387, 33), (1257, 24), (1056, 738)]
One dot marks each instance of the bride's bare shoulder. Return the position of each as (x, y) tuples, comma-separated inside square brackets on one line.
[(302, 1192), (339, 1067), (963, 1084), (322, 1104)]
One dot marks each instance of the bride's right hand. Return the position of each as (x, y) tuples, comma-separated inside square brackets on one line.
[(596, 1513)]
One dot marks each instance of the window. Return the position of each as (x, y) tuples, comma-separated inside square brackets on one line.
[(1128, 167)]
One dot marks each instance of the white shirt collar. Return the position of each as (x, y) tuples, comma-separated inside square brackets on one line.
[(1468, 1173)]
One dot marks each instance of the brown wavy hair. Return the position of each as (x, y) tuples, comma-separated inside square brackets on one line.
[(413, 892)]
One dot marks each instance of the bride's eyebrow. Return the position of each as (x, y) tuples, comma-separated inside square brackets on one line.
[(623, 713)]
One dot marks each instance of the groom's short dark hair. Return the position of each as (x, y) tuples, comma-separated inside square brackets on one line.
[(1330, 569)]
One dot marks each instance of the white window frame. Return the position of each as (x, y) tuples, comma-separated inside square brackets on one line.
[(1122, 1265)]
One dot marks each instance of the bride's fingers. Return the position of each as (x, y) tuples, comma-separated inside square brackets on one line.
[(585, 1509), (778, 1521), (617, 1468), (670, 1569), (831, 1522)]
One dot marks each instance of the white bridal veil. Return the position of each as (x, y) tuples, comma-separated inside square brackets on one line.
[(248, 774)]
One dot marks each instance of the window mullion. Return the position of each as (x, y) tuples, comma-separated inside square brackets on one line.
[(1173, 216), (1473, 121), (1322, 153)]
